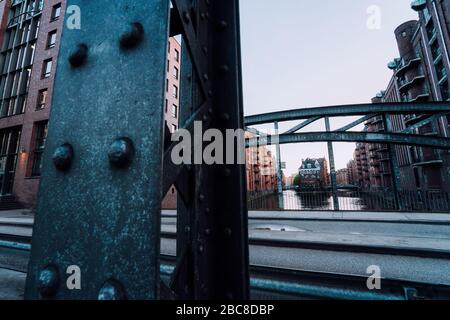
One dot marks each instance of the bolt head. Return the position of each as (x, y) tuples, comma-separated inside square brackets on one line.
[(48, 282), (132, 37), (63, 157), (121, 152), (111, 290), (79, 56)]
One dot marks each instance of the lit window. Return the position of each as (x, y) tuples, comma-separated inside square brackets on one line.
[(177, 55), (47, 69)]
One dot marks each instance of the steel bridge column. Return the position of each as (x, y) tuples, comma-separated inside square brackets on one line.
[(100, 193), (396, 183), (279, 171), (332, 168), (212, 237)]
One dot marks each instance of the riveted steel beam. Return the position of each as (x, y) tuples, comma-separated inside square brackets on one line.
[(369, 137), (349, 110), (212, 244), (100, 192)]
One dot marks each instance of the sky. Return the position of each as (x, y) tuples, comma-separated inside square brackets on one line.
[(298, 54)]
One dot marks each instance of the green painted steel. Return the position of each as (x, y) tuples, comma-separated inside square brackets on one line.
[(100, 193), (369, 137), (349, 110)]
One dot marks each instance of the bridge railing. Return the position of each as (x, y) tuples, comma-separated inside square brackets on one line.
[(358, 200)]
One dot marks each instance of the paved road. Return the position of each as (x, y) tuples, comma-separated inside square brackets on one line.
[(437, 231), (436, 271)]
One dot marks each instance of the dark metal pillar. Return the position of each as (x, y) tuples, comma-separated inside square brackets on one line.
[(332, 168), (279, 171), (212, 240), (393, 162), (100, 193)]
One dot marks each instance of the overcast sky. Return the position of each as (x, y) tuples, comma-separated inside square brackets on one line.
[(299, 53)]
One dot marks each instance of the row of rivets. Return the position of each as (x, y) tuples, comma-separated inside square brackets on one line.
[(49, 281), (129, 39), (120, 154)]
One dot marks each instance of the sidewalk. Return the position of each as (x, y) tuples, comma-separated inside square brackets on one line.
[(391, 217), (376, 244), (25, 217), (21, 217)]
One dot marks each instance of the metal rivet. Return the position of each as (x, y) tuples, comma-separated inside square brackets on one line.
[(63, 156), (121, 152), (205, 50), (48, 282), (111, 290), (224, 68), (223, 24), (202, 16), (131, 38), (208, 232), (201, 248), (79, 56), (227, 232), (201, 197), (205, 118), (226, 172), (205, 77), (225, 116), (186, 17), (210, 110), (210, 93)]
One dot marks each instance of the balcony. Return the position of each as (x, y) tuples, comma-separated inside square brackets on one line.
[(413, 119), (429, 163), (406, 66), (404, 85)]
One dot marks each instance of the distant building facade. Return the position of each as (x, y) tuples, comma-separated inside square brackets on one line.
[(342, 177), (314, 174), (260, 168), (420, 75), (30, 32)]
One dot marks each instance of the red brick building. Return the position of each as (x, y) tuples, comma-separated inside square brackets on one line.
[(30, 32)]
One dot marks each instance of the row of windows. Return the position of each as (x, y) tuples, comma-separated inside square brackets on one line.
[(176, 52)]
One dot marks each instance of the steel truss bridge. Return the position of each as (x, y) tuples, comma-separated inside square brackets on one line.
[(107, 160)]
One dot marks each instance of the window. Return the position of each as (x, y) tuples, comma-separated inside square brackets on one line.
[(166, 108), (168, 65), (175, 91), (167, 85), (175, 72), (177, 55), (42, 99), (173, 128), (51, 39), (47, 69), (174, 111), (39, 145), (56, 12)]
